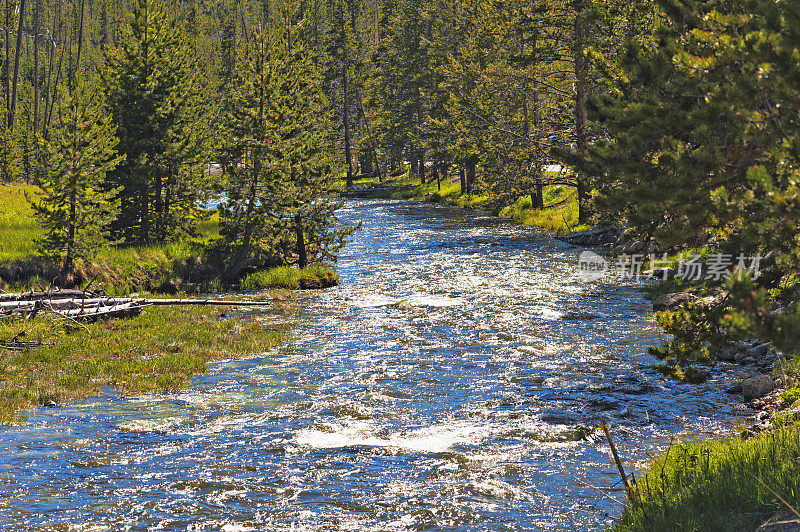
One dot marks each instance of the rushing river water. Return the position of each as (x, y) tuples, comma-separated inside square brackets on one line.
[(455, 381)]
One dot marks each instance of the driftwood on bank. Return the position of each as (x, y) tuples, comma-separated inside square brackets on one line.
[(84, 305)]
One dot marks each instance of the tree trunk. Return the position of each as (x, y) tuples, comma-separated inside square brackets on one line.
[(471, 171), (371, 138), (13, 110), (244, 250), (581, 67), (346, 118), (422, 166), (69, 263), (167, 204), (158, 214), (80, 46), (51, 58), (6, 71), (302, 259), (145, 213), (36, 73), (463, 177)]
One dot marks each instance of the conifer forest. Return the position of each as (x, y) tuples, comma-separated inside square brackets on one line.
[(400, 265)]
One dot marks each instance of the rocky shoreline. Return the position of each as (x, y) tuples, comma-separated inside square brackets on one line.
[(761, 391)]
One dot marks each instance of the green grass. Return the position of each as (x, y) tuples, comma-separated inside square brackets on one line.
[(712, 485), (17, 227), (561, 217), (313, 276), (158, 351), (119, 270)]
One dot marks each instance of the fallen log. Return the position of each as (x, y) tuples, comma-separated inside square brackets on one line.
[(249, 303), (108, 306), (125, 310), (45, 294), (26, 306)]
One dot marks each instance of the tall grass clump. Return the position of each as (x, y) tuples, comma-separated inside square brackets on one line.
[(158, 351), (560, 214), (719, 485), (312, 276), (18, 229)]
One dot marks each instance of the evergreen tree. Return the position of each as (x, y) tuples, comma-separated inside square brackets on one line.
[(74, 209), (249, 155), (307, 185), (155, 98), (9, 155), (401, 75), (281, 178)]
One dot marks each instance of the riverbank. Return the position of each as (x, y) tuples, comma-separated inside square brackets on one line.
[(559, 216), (167, 267), (49, 360)]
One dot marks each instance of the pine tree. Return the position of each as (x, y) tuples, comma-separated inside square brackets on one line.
[(155, 98), (665, 147), (74, 209), (307, 184), (281, 177), (401, 75), (249, 156)]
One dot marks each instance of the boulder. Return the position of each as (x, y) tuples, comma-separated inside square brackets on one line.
[(758, 351), (713, 301), (672, 301), (726, 355), (757, 387)]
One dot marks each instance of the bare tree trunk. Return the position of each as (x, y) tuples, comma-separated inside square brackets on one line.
[(35, 71), (12, 111), (6, 71), (471, 171), (54, 91), (159, 205), (51, 58), (80, 47), (302, 258), (346, 118), (581, 68), (463, 177), (422, 166)]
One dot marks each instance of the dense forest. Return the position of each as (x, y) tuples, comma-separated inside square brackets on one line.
[(677, 119), (205, 146), (278, 103)]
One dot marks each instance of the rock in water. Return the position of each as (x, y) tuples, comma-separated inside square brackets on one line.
[(757, 387), (758, 351), (671, 301), (725, 354)]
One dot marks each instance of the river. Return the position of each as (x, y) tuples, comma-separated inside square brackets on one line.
[(454, 381)]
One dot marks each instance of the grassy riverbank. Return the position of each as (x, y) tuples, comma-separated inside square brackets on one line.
[(48, 359), (735, 483), (730, 484), (560, 214), (158, 351), (120, 270)]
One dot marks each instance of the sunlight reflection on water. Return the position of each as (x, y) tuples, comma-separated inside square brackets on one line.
[(454, 381)]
